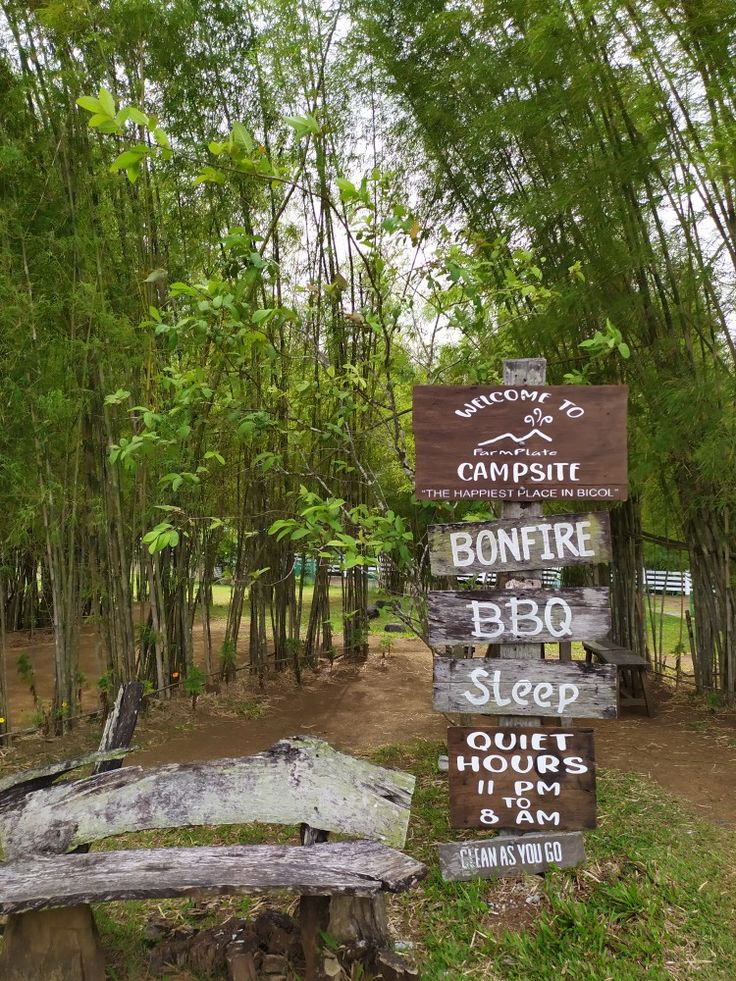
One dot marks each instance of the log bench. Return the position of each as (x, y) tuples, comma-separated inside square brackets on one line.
[(633, 689), (46, 889)]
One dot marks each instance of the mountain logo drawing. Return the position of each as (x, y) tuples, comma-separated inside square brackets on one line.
[(536, 418)]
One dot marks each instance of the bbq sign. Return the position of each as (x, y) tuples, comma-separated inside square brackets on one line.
[(523, 443)]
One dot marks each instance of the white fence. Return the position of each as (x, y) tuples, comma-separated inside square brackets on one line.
[(666, 581)]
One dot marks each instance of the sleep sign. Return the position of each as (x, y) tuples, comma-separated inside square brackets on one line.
[(494, 686), (525, 779)]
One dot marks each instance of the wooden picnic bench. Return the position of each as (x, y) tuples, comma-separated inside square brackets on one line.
[(633, 689), (46, 888)]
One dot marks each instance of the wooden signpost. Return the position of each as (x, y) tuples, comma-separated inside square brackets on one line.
[(521, 444), (483, 616), (525, 779), (495, 687)]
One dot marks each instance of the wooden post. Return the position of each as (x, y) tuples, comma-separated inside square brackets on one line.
[(345, 919), (52, 943), (530, 371)]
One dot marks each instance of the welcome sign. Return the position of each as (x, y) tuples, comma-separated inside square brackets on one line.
[(525, 443)]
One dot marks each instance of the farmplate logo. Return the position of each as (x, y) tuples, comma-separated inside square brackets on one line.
[(520, 442), (536, 418)]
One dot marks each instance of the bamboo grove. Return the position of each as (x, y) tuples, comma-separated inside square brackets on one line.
[(234, 235)]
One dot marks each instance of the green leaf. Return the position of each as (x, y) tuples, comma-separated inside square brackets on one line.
[(242, 137), (624, 350), (130, 112), (107, 102), (302, 125), (117, 397), (128, 158), (109, 126), (259, 315), (209, 175), (348, 190), (214, 455), (89, 103), (161, 138)]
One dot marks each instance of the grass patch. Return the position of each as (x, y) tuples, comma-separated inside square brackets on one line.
[(655, 899)]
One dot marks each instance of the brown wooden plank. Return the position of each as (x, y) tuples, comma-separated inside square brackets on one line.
[(520, 442), (521, 778), (492, 686), (298, 780), (359, 868), (529, 616), (497, 858), (512, 544)]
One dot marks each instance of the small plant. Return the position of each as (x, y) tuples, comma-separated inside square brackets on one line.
[(194, 684), (104, 685), (250, 709), (148, 690), (228, 661), (81, 683), (387, 645), (27, 675), (41, 718)]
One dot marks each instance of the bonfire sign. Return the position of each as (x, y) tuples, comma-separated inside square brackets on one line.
[(517, 442), (525, 779), (477, 547)]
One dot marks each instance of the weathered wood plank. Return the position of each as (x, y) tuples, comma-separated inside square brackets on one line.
[(299, 780), (491, 686), (512, 544), (120, 724), (529, 616), (522, 442), (496, 858), (358, 868), (521, 778), (18, 784), (608, 653)]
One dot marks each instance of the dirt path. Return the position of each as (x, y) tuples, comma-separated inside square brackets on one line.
[(357, 708)]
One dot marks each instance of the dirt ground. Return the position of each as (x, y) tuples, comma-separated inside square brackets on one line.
[(689, 752)]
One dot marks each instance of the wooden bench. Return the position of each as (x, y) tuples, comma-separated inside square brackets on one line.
[(633, 689), (299, 781)]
